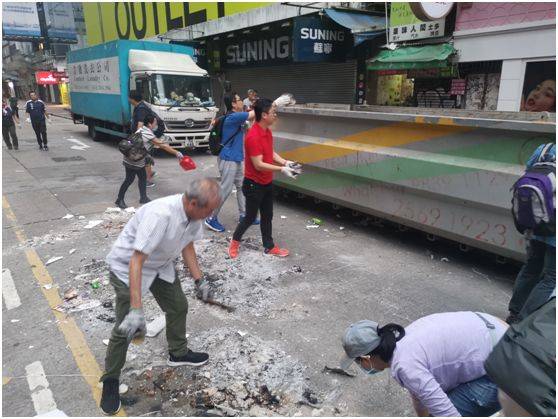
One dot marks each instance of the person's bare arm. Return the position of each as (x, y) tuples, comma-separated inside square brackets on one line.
[(191, 261), (140, 124), (165, 147), (419, 408), (259, 164), (136, 265), (251, 115), (278, 159)]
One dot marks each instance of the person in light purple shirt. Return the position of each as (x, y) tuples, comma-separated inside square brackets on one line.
[(438, 359)]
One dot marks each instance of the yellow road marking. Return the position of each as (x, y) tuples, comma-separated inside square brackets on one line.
[(392, 135), (77, 344)]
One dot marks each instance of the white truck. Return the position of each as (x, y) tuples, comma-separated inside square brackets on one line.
[(166, 75)]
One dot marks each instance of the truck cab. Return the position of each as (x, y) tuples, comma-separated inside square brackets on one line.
[(178, 91)]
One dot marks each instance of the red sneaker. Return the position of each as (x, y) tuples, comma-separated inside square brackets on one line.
[(277, 251), (233, 249)]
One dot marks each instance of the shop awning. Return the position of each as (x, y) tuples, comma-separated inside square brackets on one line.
[(362, 25), (408, 58)]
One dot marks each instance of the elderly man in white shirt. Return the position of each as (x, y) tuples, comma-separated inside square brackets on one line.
[(141, 260)]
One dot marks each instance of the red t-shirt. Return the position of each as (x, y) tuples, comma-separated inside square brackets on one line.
[(258, 142)]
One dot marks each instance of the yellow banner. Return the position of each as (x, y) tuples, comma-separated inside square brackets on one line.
[(127, 20)]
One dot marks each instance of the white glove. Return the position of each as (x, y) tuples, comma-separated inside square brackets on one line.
[(179, 155), (284, 100), (133, 324), (287, 171), (294, 165), (28, 120)]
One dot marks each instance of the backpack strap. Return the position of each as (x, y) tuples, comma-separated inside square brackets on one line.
[(232, 136), (546, 150)]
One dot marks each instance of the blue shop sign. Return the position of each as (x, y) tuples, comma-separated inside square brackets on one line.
[(317, 39)]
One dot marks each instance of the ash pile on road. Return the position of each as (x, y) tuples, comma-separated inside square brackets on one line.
[(248, 283), (245, 376)]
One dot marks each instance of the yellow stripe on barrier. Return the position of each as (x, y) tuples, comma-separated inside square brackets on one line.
[(393, 135)]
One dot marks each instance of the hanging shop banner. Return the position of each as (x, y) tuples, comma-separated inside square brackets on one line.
[(46, 77), (316, 39), (458, 87), (256, 49), (60, 21), (108, 21), (20, 21), (539, 87), (405, 26)]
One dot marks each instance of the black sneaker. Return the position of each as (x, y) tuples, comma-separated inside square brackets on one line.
[(120, 204), (145, 201), (9, 147), (513, 318), (45, 148), (110, 400), (150, 184), (41, 147), (194, 359)]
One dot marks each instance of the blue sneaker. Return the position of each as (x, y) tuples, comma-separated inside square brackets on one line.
[(255, 223), (213, 224)]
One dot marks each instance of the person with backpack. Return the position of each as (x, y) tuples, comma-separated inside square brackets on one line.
[(143, 140), (141, 110), (229, 130), (534, 213), (438, 359)]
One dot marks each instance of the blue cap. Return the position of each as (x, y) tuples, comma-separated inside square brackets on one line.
[(360, 339)]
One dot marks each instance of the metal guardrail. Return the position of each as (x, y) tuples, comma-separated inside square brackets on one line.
[(448, 174)]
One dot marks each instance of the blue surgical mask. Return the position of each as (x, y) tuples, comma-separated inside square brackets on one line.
[(370, 371)]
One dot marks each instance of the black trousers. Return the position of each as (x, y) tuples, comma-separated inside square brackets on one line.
[(40, 131), (7, 131), (258, 197), (15, 110), (129, 179)]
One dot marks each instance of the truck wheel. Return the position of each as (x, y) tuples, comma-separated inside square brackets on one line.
[(94, 134)]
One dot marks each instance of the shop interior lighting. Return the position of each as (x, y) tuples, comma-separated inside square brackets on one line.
[(265, 28), (286, 24), (246, 31)]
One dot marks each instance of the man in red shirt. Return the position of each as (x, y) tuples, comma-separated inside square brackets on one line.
[(260, 162)]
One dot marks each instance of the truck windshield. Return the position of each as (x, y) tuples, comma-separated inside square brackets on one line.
[(179, 90)]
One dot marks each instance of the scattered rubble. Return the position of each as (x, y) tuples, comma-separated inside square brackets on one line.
[(54, 259), (68, 217), (93, 224)]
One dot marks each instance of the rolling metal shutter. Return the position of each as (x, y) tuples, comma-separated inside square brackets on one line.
[(308, 82)]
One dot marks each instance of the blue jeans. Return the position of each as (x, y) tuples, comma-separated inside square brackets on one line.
[(476, 398)]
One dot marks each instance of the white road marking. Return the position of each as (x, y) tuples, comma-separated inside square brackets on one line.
[(80, 146), (43, 401), (9, 291)]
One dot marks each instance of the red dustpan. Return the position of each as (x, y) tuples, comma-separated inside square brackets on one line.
[(187, 163)]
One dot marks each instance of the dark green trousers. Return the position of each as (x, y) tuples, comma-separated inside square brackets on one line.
[(172, 301)]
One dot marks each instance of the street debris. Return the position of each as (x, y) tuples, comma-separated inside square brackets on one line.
[(93, 224), (77, 304), (444, 260), (339, 371), (81, 217), (54, 259), (130, 210), (311, 226), (47, 286), (317, 221), (95, 284), (70, 294), (155, 326), (68, 216), (112, 210), (341, 228), (53, 413), (14, 320), (105, 342), (283, 217), (72, 251)]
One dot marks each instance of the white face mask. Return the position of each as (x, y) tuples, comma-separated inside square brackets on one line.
[(371, 371)]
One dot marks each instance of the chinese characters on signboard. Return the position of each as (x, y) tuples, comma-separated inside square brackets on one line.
[(99, 76), (405, 26), (416, 31), (458, 86)]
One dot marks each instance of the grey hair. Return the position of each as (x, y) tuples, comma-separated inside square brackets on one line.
[(202, 190)]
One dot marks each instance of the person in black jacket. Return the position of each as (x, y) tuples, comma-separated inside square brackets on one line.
[(37, 114)]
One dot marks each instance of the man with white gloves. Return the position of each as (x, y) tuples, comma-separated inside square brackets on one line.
[(142, 259), (259, 164)]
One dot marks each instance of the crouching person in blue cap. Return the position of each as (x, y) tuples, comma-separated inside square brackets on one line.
[(438, 359)]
